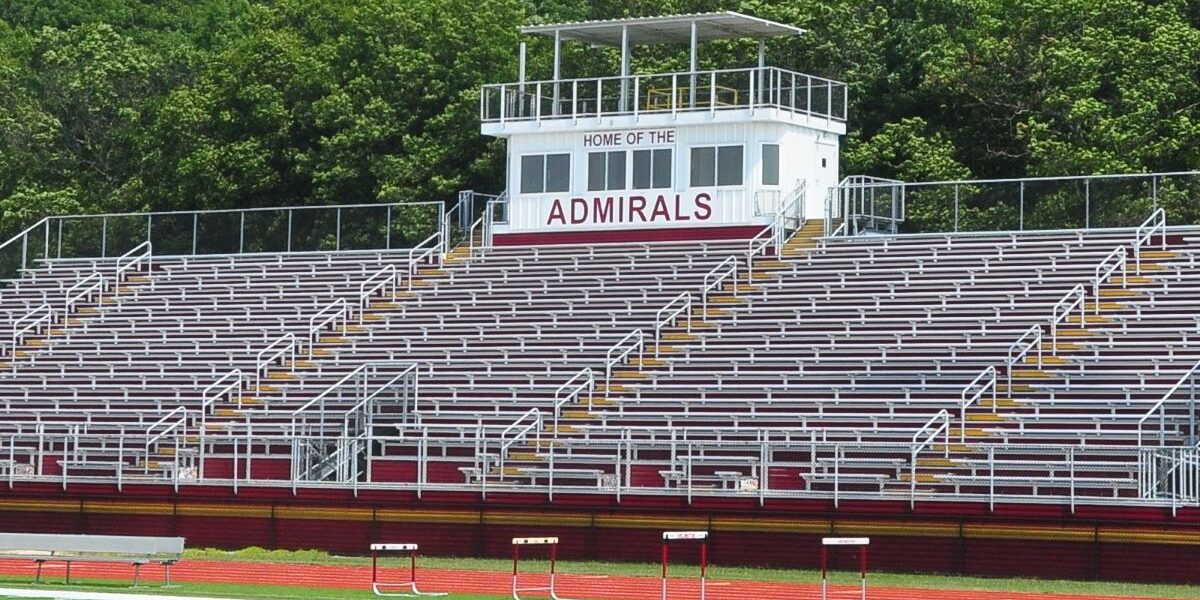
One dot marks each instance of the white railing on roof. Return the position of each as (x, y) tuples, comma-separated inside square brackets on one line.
[(1076, 298), (726, 270), (938, 424), (633, 343), (282, 349), (384, 281), (666, 316), (666, 93), (1144, 236), (1030, 341), (337, 311), (971, 394), (1117, 260), (583, 382), (1160, 408)]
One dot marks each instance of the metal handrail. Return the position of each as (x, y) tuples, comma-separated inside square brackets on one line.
[(177, 424), (988, 378), (85, 291), (274, 351), (534, 425), (1119, 259), (726, 269), (1075, 298), (12, 240), (214, 211), (31, 321), (1160, 408), (758, 245), (583, 381), (1156, 221), (381, 280), (666, 316), (328, 316), (129, 261), (419, 253), (919, 443), (1020, 349), (622, 352), (366, 404)]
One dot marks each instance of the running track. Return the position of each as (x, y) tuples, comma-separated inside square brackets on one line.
[(591, 587)]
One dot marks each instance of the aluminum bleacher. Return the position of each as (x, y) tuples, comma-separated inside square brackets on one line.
[(1038, 366)]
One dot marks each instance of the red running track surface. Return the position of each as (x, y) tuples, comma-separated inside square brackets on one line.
[(588, 587)]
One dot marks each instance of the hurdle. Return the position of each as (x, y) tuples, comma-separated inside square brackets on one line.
[(380, 588), (860, 543), (679, 536), (534, 541)]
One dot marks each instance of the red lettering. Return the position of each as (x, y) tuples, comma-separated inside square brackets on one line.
[(660, 208), (703, 209), (579, 210), (679, 216), (556, 212), (637, 205), (602, 209)]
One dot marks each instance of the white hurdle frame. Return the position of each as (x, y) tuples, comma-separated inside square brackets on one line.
[(862, 544), (380, 587), (534, 541), (676, 536)]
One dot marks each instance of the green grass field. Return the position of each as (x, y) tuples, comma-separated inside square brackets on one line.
[(630, 569)]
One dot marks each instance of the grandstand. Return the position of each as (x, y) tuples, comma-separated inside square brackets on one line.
[(792, 357)]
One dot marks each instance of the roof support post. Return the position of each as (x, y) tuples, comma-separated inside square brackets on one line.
[(692, 65), (520, 99), (623, 104), (557, 70), (762, 63)]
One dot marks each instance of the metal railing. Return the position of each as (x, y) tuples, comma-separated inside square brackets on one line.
[(427, 253), (1076, 298), (634, 342), (971, 394), (726, 270), (760, 244), (228, 385), (384, 280), (1030, 341), (335, 312), (37, 321), (142, 253), (517, 432), (865, 204), (1144, 236), (1160, 409), (583, 382), (283, 349), (666, 93), (83, 291), (173, 423), (666, 316), (924, 438), (1117, 260)]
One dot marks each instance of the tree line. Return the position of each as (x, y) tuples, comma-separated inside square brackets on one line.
[(134, 105)]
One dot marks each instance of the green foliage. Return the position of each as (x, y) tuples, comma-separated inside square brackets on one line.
[(120, 105)]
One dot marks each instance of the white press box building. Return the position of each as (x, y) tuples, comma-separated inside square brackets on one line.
[(702, 153)]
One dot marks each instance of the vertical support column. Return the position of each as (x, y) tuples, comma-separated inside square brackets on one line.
[(623, 104), (762, 64), (520, 100), (693, 61), (557, 70)]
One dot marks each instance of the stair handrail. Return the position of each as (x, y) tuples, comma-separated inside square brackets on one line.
[(636, 342), (366, 406), (34, 320), (83, 290), (583, 381), (178, 424), (534, 416), (922, 439), (668, 314), (1160, 407), (427, 250), (130, 260), (1119, 259), (217, 390), (759, 245), (383, 279), (280, 348), (1075, 298), (319, 400), (792, 203), (1144, 235), (981, 384), (726, 269), (1018, 350), (326, 317)]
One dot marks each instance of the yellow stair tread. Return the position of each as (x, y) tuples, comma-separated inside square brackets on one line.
[(1030, 374), (937, 462), (1047, 360), (999, 402), (596, 401), (525, 456), (921, 477), (249, 400), (740, 287), (726, 300), (958, 432), (1061, 346), (647, 362), (1088, 319), (614, 388), (985, 417), (663, 349), (579, 414), (714, 312), (333, 339), (1131, 280), (1158, 254), (960, 448), (1093, 306), (771, 264), (1075, 333), (678, 336), (1119, 293), (631, 375), (228, 412), (696, 324)]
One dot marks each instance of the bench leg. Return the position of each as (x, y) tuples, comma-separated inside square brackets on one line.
[(38, 579), (137, 572), (167, 575), (68, 572)]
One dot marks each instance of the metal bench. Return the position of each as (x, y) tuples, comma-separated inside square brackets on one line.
[(134, 550)]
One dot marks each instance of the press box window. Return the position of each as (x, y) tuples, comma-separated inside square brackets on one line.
[(651, 169), (770, 164), (606, 171), (542, 173), (716, 165)]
